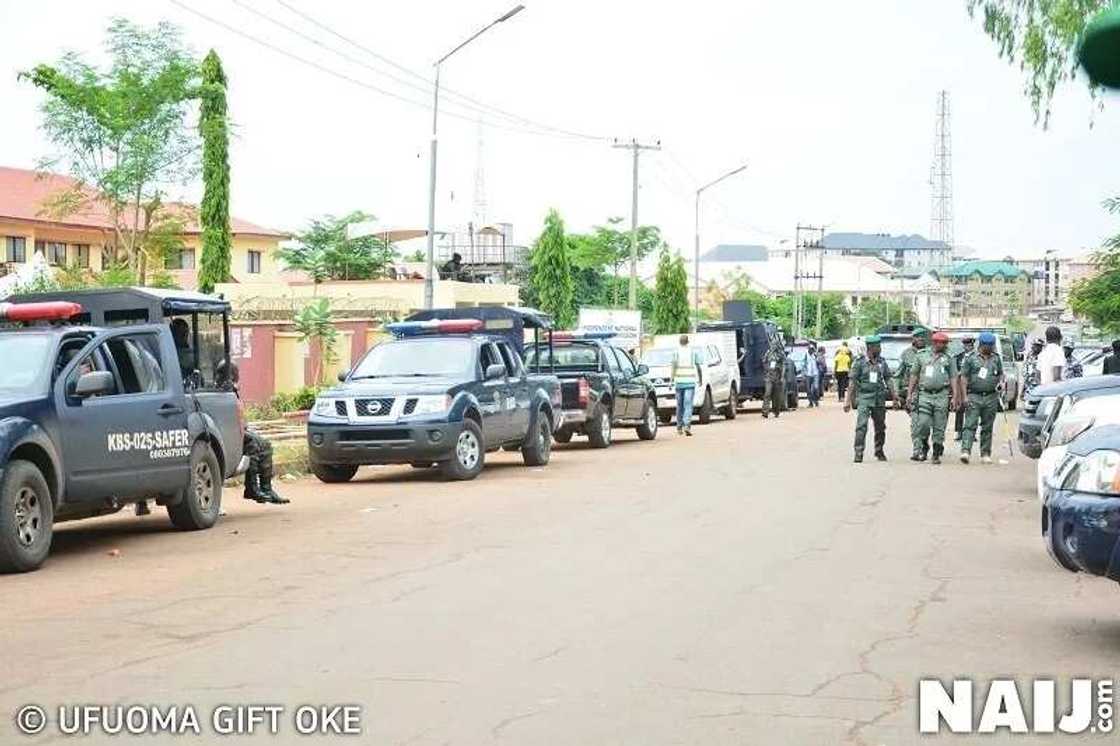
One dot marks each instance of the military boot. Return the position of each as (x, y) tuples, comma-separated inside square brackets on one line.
[(879, 455), (938, 449), (268, 494), (859, 457), (253, 487)]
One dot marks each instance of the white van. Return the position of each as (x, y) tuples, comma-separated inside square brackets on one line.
[(719, 375)]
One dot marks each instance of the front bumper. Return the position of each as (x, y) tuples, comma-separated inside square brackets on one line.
[(390, 443), (1082, 532)]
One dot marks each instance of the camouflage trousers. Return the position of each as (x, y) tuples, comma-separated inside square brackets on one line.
[(877, 413), (930, 417), (982, 409), (774, 396)]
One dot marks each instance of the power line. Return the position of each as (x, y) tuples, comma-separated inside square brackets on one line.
[(428, 83), (345, 77)]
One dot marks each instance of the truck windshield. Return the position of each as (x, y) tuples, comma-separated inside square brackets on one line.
[(451, 358), (565, 356), (892, 349), (26, 360)]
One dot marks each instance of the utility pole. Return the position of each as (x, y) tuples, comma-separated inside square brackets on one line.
[(637, 148), (813, 241)]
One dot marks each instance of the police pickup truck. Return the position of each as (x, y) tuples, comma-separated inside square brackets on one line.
[(96, 412), (441, 394), (601, 387)]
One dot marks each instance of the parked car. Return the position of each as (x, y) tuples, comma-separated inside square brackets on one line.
[(441, 394), (751, 339), (718, 388), (97, 412), (601, 387), (1071, 416), (1081, 512), (1041, 400)]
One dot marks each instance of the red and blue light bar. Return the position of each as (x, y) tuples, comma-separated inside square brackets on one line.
[(434, 326), (46, 311), (580, 334)]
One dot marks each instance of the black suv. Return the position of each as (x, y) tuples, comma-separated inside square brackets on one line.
[(602, 387), (99, 408), (440, 394)]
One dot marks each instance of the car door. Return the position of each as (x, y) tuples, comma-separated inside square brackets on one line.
[(635, 385), (618, 383), (492, 397), (517, 404), (133, 441), (721, 376)]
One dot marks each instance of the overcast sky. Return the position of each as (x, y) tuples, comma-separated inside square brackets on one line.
[(833, 105)]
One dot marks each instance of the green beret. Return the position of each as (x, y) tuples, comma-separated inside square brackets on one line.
[(873, 339)]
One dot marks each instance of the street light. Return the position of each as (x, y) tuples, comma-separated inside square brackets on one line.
[(696, 258), (429, 279)]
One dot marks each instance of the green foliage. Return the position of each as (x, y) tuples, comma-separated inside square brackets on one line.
[(670, 303), (551, 272), (324, 252), (214, 127), (873, 313), (1017, 324), (314, 323), (73, 277), (1041, 37), (122, 131), (609, 247), (417, 256), (299, 400), (1098, 298)]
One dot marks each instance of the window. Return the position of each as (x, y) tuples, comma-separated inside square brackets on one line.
[(714, 358), (510, 359), (136, 359), (254, 262), (612, 361), (489, 356), (82, 255), (41, 248), (56, 253), (17, 249), (183, 259)]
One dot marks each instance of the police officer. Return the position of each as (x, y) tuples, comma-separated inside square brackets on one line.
[(869, 384), (775, 364), (968, 347), (982, 381), (933, 392)]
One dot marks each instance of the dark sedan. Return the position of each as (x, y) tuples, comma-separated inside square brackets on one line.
[(1081, 515), (1040, 401)]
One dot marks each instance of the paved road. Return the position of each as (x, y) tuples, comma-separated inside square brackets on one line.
[(747, 585)]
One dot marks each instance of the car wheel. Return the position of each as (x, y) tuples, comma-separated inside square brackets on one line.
[(202, 503), (334, 473), (26, 518), (539, 450), (563, 435), (706, 408), (468, 455), (648, 429), (599, 427), (732, 407)]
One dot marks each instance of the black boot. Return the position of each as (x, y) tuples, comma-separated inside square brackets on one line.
[(938, 449), (879, 455), (859, 457), (253, 487), (268, 494)]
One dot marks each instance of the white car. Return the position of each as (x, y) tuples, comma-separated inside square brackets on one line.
[(718, 388), (1071, 416)]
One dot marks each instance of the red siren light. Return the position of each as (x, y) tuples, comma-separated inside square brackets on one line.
[(46, 311)]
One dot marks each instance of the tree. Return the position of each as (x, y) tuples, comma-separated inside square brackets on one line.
[(214, 128), (121, 132), (1041, 36), (670, 304), (607, 246), (326, 249), (551, 272), (873, 313), (314, 324)]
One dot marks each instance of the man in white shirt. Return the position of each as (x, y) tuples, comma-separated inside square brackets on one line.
[(1051, 360)]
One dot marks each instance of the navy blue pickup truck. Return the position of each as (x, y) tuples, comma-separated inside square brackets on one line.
[(442, 394), (102, 407)]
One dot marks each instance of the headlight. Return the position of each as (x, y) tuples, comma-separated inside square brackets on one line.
[(432, 404), (325, 407), (1099, 472), (1066, 431)]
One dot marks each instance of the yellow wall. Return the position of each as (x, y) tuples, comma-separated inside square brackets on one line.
[(288, 363)]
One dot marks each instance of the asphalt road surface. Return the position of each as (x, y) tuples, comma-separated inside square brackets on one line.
[(749, 585)]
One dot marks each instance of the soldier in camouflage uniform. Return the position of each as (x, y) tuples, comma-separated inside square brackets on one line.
[(982, 380), (870, 387), (933, 392), (774, 362), (1031, 375)]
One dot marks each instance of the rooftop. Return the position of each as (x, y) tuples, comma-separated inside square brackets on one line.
[(726, 252), (985, 269), (24, 195), (881, 242)]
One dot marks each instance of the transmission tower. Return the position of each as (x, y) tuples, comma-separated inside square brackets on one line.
[(941, 176)]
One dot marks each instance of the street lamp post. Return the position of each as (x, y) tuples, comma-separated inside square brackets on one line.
[(696, 257), (429, 278)]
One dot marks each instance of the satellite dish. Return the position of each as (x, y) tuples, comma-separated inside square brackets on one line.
[(1099, 50)]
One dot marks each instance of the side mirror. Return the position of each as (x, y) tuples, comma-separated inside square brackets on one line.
[(495, 372), (643, 369), (227, 373), (343, 375), (95, 383)]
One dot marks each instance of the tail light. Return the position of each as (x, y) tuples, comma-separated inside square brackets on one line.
[(584, 392)]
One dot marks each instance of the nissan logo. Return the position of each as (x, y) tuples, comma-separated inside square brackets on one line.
[(373, 407)]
